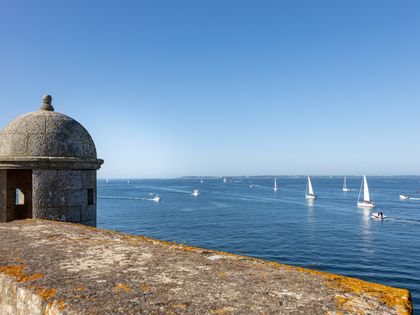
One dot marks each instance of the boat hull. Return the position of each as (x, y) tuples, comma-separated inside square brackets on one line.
[(404, 197), (310, 197), (365, 204), (346, 189), (378, 216)]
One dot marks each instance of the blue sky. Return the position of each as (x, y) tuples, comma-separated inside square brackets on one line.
[(223, 87)]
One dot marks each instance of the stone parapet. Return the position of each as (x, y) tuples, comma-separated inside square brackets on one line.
[(62, 268)]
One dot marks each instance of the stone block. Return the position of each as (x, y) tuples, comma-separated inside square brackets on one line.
[(88, 213), (89, 179), (48, 198), (75, 197), (47, 213), (57, 180), (71, 214), (14, 145)]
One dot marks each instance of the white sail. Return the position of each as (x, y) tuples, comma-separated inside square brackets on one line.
[(310, 190), (366, 196), (275, 185)]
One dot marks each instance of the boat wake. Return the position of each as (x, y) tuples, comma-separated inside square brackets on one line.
[(155, 188), (122, 198), (403, 220)]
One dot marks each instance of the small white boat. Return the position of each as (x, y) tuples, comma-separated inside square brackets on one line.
[(156, 198), (201, 181), (309, 190), (275, 188), (196, 193), (366, 202), (404, 197), (225, 180), (345, 188), (378, 215)]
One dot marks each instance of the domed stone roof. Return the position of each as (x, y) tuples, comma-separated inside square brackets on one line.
[(46, 134)]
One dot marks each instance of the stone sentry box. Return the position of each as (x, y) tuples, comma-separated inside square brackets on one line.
[(48, 166)]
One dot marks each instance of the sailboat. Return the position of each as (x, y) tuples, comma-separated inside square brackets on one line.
[(201, 181), (366, 202), (345, 188), (225, 180), (309, 190), (275, 185)]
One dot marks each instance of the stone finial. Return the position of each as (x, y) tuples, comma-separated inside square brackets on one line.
[(46, 103)]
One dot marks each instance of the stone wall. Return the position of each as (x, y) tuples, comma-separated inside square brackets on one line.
[(3, 187), (62, 195)]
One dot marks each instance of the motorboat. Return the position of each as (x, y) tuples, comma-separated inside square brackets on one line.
[(378, 215), (404, 197), (156, 198)]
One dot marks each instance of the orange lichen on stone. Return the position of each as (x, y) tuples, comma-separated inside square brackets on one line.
[(61, 304), (122, 287), (222, 274), (17, 273), (393, 297), (46, 293), (80, 289), (224, 310), (144, 287), (58, 304), (346, 305)]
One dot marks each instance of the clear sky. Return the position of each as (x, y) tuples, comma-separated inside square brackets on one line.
[(223, 87)]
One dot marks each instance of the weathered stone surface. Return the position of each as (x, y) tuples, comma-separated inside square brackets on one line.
[(3, 195), (61, 268), (88, 213), (69, 179), (46, 134)]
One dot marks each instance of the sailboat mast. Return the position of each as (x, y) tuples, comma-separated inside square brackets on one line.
[(360, 191)]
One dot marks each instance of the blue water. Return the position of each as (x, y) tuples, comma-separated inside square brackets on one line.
[(330, 234)]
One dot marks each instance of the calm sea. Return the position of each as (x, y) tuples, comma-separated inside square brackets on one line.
[(330, 234)]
